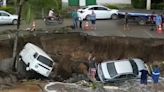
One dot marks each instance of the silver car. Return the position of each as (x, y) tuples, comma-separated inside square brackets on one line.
[(7, 18), (111, 71)]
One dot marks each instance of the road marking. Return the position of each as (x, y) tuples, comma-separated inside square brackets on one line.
[(148, 33), (122, 34)]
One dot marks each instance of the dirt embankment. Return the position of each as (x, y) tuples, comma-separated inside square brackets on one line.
[(68, 49)]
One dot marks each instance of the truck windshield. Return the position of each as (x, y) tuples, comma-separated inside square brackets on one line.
[(45, 60)]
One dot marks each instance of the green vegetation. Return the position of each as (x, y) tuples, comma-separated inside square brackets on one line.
[(39, 8), (139, 4), (9, 9), (158, 6), (111, 6)]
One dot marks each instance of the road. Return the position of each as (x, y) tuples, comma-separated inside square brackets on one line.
[(104, 28)]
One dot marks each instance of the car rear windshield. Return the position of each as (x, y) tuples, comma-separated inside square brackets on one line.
[(45, 60), (134, 66), (111, 69)]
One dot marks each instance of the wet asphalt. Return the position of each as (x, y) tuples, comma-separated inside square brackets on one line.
[(103, 28)]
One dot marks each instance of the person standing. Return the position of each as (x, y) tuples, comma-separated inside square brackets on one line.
[(75, 19), (156, 74), (155, 77), (126, 27), (80, 22), (152, 20), (144, 76), (92, 67), (158, 21), (163, 20), (93, 20)]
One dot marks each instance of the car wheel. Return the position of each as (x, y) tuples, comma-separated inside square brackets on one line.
[(15, 22), (114, 16), (87, 17)]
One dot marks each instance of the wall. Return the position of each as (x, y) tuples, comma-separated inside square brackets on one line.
[(114, 1), (105, 1)]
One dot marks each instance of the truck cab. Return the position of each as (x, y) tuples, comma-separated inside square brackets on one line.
[(36, 59)]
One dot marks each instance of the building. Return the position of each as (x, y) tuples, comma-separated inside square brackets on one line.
[(93, 2)]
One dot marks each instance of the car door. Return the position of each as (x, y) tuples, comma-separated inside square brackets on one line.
[(101, 12), (1, 18), (4, 18)]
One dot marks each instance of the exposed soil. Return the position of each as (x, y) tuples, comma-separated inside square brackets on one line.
[(71, 50)]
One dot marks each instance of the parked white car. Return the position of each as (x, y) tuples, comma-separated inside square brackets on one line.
[(7, 18), (111, 71), (101, 12)]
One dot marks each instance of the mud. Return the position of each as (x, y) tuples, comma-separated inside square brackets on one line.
[(71, 50)]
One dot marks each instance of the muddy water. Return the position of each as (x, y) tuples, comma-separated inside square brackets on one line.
[(72, 47)]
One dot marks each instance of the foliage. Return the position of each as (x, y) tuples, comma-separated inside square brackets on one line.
[(39, 8), (111, 6), (8, 9), (139, 4), (156, 1), (158, 6)]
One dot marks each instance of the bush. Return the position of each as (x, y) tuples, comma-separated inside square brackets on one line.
[(139, 4), (8, 9), (158, 6), (111, 6)]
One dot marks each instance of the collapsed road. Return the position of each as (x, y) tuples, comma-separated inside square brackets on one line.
[(71, 50)]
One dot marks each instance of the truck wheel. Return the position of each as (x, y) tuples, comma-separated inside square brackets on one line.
[(141, 22)]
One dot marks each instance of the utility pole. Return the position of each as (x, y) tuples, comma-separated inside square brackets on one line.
[(148, 4)]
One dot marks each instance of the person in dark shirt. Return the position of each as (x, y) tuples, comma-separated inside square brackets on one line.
[(163, 21), (144, 75), (152, 20), (126, 27)]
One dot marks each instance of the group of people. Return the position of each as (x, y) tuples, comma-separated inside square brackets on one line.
[(78, 21), (158, 20), (155, 75)]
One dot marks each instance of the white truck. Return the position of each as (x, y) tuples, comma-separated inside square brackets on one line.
[(33, 58)]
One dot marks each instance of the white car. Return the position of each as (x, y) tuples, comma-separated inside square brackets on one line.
[(7, 18), (112, 71), (101, 12)]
